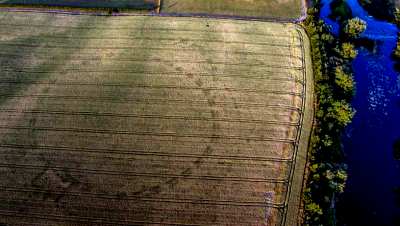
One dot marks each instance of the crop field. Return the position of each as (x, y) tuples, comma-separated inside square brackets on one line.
[(284, 9), (126, 4), (138, 120), (268, 9)]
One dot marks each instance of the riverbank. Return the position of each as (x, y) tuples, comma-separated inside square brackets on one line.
[(368, 141), (333, 85)]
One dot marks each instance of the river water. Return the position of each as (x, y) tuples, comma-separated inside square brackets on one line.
[(373, 172)]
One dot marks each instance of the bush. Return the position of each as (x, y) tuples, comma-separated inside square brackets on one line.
[(314, 210), (354, 27), (341, 112), (348, 51), (396, 53), (344, 81)]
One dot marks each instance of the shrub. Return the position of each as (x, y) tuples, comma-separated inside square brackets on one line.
[(341, 112), (354, 27), (348, 51), (314, 210), (344, 81)]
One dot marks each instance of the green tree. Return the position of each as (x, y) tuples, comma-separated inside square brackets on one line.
[(337, 180), (341, 112), (344, 81), (354, 27), (348, 52), (397, 16), (314, 212), (396, 53)]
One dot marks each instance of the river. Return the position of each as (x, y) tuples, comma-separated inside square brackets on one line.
[(373, 173)]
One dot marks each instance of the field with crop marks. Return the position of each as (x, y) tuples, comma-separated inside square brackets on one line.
[(283, 9), (126, 4), (148, 120)]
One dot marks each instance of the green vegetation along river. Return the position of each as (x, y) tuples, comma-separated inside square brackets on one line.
[(373, 172)]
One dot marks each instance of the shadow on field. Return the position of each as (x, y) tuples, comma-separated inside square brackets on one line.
[(22, 70)]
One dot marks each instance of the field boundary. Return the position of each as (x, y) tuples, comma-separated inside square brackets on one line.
[(293, 204), (156, 12)]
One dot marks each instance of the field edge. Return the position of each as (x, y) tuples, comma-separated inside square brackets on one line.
[(296, 190)]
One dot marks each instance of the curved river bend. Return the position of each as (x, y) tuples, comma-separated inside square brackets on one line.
[(373, 172)]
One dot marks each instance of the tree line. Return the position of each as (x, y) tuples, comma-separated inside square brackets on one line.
[(334, 89)]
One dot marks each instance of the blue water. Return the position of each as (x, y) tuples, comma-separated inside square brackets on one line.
[(368, 140)]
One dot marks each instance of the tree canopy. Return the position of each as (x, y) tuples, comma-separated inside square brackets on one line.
[(344, 81), (348, 51), (354, 27), (341, 112)]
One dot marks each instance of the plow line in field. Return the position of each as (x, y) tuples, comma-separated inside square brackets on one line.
[(265, 77), (24, 149), (141, 152), (154, 175), (150, 29), (124, 100), (266, 42), (118, 115), (143, 199), (225, 89), (100, 220), (126, 132)]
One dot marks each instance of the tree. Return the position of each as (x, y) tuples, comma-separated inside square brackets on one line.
[(344, 81), (314, 212), (348, 52), (397, 16), (338, 180), (354, 27), (341, 112)]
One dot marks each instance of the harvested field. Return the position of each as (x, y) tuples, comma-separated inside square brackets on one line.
[(284, 9), (126, 4), (150, 120)]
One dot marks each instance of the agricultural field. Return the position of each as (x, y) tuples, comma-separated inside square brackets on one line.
[(265, 9), (281, 9), (122, 4), (139, 120)]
